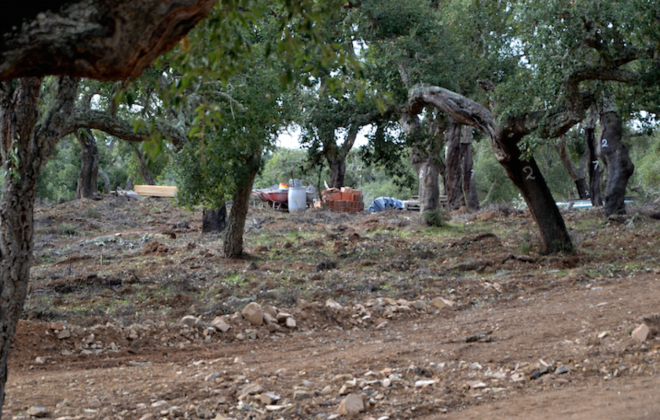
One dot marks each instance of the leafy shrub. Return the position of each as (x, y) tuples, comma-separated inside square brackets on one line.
[(432, 218)]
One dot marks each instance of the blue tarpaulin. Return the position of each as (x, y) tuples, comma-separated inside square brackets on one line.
[(384, 203)]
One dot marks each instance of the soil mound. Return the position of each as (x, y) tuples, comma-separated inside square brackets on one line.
[(155, 248)]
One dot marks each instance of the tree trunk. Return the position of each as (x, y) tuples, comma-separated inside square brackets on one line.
[(469, 182), (232, 246), (106, 182), (532, 186), (337, 171), (428, 173), (426, 161), (615, 156), (504, 142), (26, 141), (453, 175), (573, 172), (336, 158), (595, 170), (89, 165), (144, 169), (581, 185), (214, 220)]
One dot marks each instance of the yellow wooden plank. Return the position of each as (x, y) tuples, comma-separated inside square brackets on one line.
[(155, 190)]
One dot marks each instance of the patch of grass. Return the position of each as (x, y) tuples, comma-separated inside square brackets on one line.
[(234, 279), (92, 213), (67, 229)]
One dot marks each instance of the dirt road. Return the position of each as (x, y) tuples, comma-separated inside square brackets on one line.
[(557, 326)]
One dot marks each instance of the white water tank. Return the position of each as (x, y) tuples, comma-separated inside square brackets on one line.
[(297, 199)]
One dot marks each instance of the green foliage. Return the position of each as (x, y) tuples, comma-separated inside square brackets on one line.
[(489, 174), (286, 31), (225, 146), (229, 88), (389, 150), (59, 179), (433, 218), (376, 181), (555, 39), (278, 166), (645, 154)]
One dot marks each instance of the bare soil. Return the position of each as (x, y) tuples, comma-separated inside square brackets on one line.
[(530, 336)]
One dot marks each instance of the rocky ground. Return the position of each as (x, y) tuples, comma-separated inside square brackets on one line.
[(133, 314)]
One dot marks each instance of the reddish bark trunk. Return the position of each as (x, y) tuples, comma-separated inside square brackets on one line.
[(336, 158), (504, 142), (337, 171)]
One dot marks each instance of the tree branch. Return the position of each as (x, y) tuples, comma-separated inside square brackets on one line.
[(54, 120), (463, 110), (99, 39), (120, 128), (603, 73), (552, 123)]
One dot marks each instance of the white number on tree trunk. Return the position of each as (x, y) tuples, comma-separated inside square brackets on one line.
[(603, 143), (595, 162), (529, 171)]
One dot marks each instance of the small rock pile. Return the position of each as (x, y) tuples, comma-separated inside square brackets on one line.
[(254, 321)]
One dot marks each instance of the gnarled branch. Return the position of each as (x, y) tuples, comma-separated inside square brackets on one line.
[(120, 128), (463, 110), (99, 39)]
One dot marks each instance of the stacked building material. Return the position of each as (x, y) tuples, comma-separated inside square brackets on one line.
[(345, 200)]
